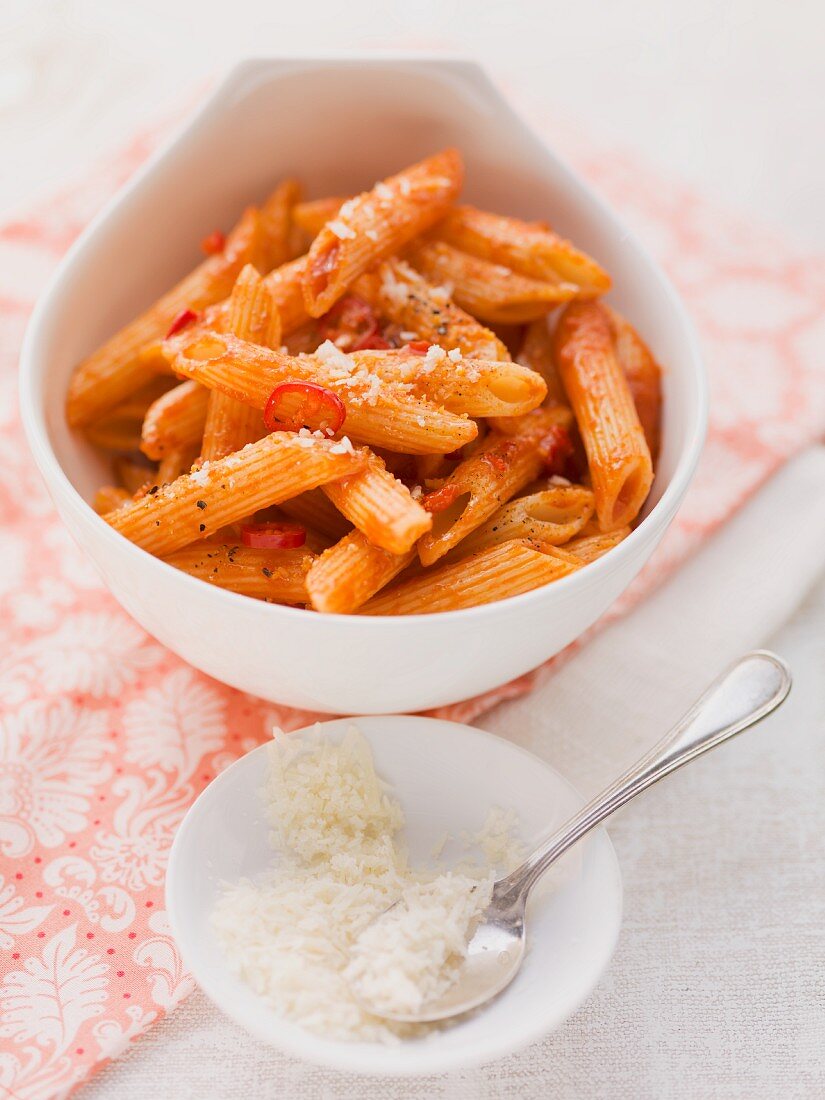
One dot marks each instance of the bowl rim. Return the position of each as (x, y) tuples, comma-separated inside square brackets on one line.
[(33, 418), (342, 1055)]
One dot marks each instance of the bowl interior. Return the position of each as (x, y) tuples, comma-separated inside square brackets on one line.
[(338, 126), (447, 777)]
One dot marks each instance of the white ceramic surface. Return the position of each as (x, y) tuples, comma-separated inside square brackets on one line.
[(446, 776), (273, 117)]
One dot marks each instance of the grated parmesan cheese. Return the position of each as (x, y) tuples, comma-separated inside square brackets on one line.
[(302, 933), (341, 230)]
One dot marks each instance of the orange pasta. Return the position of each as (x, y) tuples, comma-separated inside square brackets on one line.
[(488, 291), (276, 575), (375, 379), (617, 453), (378, 412), (489, 575), (481, 484), (380, 507), (377, 223), (643, 374), (348, 573), (197, 505), (175, 420), (530, 248), (120, 367), (406, 299)]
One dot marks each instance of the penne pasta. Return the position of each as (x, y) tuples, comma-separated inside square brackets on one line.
[(195, 506), (276, 575), (617, 453), (277, 213), (377, 223), (375, 378), (536, 352), (176, 461), (109, 497), (380, 507), (230, 424), (175, 420), (314, 510), (311, 217), (590, 547), (477, 387), (379, 412), (550, 517), (406, 299), (481, 484), (529, 248), (348, 573), (121, 366), (643, 374), (489, 291), (494, 573)]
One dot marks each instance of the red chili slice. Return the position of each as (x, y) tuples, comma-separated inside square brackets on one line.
[(555, 448), (353, 325), (417, 347), (295, 405), (214, 243), (273, 536), (184, 318)]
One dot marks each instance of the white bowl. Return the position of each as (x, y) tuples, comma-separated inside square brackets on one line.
[(446, 777), (340, 125)]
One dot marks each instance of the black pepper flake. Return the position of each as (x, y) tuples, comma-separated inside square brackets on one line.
[(153, 490), (157, 523), (201, 504), (201, 526), (266, 572)]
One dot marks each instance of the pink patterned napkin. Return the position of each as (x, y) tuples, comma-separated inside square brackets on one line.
[(106, 738)]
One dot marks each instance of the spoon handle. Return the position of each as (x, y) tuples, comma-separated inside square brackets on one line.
[(741, 697)]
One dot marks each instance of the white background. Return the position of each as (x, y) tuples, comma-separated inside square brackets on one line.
[(728, 95)]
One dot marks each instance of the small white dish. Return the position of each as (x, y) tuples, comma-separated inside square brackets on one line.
[(446, 777), (340, 125)]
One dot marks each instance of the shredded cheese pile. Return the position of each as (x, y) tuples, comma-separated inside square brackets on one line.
[(303, 935)]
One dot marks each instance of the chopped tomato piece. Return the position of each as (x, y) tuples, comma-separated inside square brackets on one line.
[(440, 499), (353, 325), (184, 318), (417, 347), (555, 448), (214, 243), (273, 536), (295, 405)]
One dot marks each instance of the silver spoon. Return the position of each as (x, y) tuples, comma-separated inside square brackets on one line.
[(740, 698)]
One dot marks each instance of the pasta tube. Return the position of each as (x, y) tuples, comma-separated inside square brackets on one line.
[(378, 412), (643, 374), (380, 507), (120, 367), (590, 547), (617, 453), (276, 575), (196, 505), (548, 518), (529, 248), (494, 573), (376, 224), (481, 484), (175, 420), (489, 291), (348, 573), (406, 299)]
